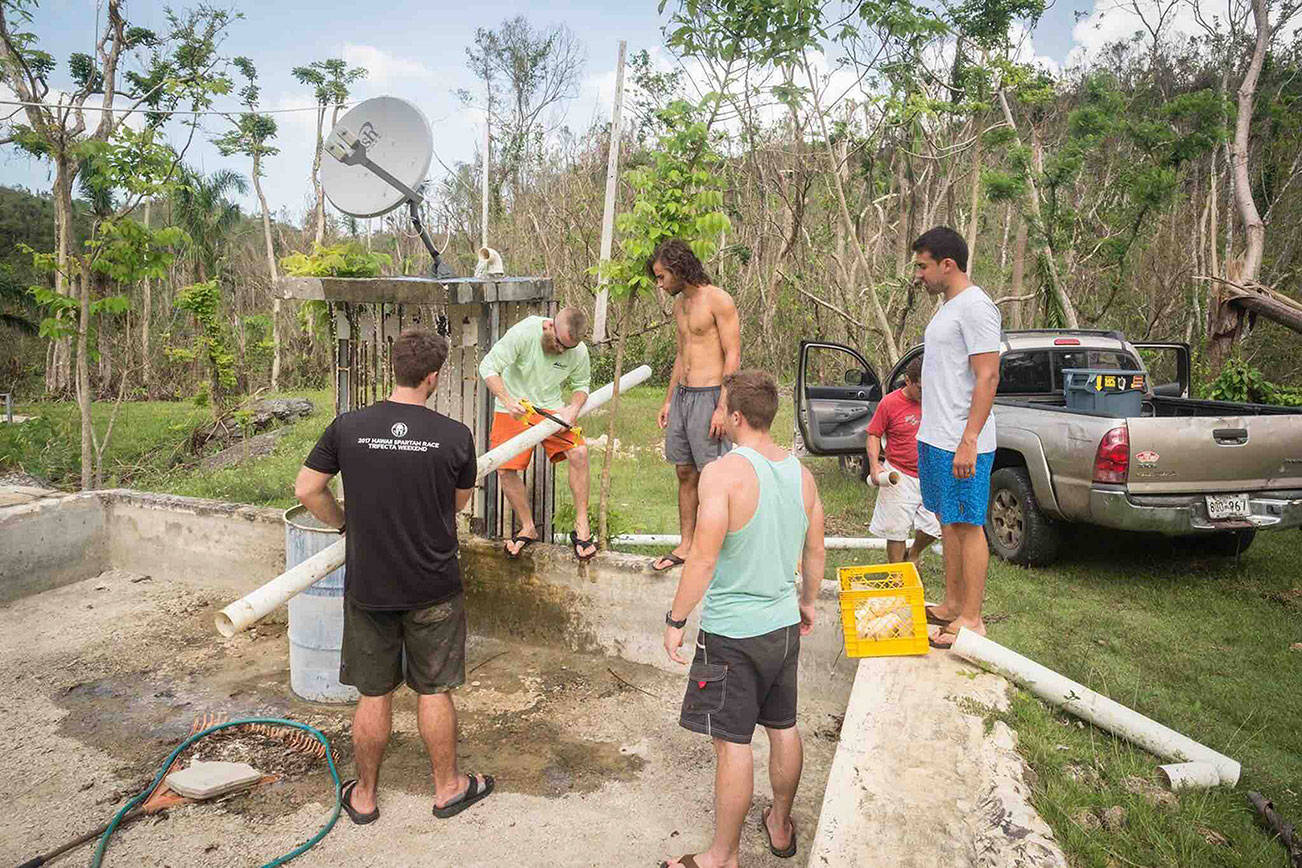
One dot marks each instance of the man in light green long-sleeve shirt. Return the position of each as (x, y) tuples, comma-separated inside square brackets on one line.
[(537, 360)]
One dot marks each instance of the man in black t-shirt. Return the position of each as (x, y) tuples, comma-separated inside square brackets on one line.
[(407, 471)]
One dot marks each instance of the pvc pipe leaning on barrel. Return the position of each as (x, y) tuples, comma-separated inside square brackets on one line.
[(1104, 713), (249, 609)]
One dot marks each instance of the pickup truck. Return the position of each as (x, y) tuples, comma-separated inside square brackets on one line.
[(1215, 470)]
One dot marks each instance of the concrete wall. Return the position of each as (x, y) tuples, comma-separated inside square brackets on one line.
[(51, 542), (229, 545), (615, 604)]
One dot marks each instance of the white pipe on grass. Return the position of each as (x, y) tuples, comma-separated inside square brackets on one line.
[(1186, 776), (1104, 713), (247, 610), (672, 539)]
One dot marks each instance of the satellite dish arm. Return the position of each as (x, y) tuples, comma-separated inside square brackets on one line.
[(414, 209)]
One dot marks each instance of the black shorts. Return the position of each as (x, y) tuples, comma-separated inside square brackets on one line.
[(735, 684), (426, 647)]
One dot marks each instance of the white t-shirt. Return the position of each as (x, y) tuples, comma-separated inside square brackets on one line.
[(964, 326)]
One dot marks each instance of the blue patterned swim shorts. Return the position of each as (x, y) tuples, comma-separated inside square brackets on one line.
[(954, 501)]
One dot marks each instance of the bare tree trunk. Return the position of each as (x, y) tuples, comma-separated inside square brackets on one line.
[(271, 271), (83, 375), (974, 201), (1059, 291), (316, 178), (1019, 271), (146, 314), (603, 500), (58, 374), (1227, 320)]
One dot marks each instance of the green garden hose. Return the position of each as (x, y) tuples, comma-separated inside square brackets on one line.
[(276, 721)]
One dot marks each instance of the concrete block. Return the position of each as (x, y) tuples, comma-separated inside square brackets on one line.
[(208, 780)]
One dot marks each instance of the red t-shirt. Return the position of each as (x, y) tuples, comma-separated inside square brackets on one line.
[(897, 419)]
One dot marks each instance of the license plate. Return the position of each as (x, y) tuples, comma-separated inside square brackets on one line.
[(1227, 506)]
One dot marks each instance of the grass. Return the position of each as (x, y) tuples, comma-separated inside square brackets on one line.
[(1200, 644)]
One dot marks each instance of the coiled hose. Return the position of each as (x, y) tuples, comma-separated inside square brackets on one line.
[(279, 860)]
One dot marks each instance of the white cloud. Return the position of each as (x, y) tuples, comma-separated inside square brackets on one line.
[(384, 69)]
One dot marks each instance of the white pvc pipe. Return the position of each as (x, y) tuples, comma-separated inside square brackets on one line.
[(1186, 776), (672, 539), (1104, 713), (244, 612)]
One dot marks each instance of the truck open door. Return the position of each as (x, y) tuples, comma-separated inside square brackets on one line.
[(836, 395)]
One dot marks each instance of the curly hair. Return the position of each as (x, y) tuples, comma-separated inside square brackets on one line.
[(676, 256)]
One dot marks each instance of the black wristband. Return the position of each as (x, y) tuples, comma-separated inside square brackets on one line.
[(677, 625)]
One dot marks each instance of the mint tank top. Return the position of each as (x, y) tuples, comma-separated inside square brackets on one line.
[(753, 591)]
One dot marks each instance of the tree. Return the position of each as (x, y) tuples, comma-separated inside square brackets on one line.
[(251, 136), (677, 196), (330, 80), (525, 71), (201, 206)]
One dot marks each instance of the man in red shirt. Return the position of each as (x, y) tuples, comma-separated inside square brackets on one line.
[(899, 506)]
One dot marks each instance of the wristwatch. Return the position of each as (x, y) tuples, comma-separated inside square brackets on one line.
[(677, 625)]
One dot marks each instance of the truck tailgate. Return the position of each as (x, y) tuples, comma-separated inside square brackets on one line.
[(1190, 454)]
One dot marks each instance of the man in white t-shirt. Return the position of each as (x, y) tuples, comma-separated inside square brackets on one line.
[(956, 440)]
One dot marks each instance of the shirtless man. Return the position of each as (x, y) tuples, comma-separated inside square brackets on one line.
[(709, 349)]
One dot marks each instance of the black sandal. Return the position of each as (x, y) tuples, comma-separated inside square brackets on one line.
[(791, 848), (519, 538), (674, 561), (582, 543), (472, 794), (346, 799)]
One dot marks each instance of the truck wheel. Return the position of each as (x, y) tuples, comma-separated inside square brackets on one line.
[(854, 465), (1227, 543), (1016, 529)]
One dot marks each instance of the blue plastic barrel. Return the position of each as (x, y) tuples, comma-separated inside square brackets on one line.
[(316, 615)]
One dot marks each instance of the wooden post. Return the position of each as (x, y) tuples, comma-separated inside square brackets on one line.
[(612, 183), (483, 210)]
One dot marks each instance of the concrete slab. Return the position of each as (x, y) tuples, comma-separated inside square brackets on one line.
[(11, 498), (917, 782), (207, 780)]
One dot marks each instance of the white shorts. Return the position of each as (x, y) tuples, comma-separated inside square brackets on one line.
[(899, 510)]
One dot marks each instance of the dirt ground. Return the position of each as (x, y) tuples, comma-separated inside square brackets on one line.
[(101, 679)]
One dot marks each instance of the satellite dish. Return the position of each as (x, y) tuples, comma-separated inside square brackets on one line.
[(382, 149)]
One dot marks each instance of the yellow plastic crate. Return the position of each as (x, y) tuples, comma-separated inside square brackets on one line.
[(882, 611)]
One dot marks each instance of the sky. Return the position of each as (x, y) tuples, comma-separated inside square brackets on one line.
[(417, 52)]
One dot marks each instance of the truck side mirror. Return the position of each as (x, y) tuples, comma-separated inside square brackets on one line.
[(856, 377)]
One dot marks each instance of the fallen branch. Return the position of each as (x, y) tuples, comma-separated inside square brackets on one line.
[(481, 664), (1262, 300), (630, 684), (1011, 298), (1273, 821)]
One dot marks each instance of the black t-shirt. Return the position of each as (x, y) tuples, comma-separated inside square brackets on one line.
[(402, 465)]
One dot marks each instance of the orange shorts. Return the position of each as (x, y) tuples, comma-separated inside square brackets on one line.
[(506, 426)]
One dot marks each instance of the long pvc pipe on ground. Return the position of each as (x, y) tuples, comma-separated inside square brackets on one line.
[(1104, 713), (673, 539), (247, 610)]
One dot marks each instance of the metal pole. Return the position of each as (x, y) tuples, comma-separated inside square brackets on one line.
[(608, 214)]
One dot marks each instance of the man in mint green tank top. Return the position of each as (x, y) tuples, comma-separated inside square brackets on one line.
[(759, 530)]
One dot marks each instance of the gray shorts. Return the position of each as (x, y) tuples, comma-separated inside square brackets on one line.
[(424, 647), (687, 436)]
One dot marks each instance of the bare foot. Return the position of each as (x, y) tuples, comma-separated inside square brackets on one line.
[(442, 802), (779, 837), (514, 548)]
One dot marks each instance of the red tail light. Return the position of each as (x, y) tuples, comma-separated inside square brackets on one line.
[(1112, 461)]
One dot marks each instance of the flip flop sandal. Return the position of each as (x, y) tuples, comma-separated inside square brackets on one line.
[(687, 862), (790, 849), (932, 637), (674, 561), (519, 538), (932, 619), (472, 794), (577, 543), (346, 797)]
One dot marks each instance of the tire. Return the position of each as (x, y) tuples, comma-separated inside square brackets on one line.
[(1226, 543), (1016, 529), (854, 465)]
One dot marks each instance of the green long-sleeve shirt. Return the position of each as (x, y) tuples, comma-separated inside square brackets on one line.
[(528, 372)]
